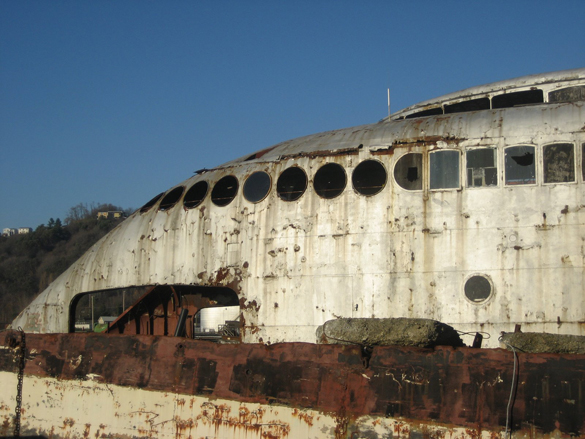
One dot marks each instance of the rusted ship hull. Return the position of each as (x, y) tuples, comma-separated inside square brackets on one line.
[(91, 385)]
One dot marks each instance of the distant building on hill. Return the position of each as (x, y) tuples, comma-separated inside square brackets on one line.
[(115, 214), (19, 231)]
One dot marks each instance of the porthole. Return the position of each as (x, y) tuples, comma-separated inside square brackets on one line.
[(369, 177), (330, 180), (257, 187), (151, 203), (195, 195), (171, 198), (224, 191), (408, 172), (478, 288), (291, 184)]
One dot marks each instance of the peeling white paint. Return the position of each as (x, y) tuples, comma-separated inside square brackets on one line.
[(79, 409)]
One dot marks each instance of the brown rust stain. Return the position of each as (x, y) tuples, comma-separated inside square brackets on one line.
[(219, 415), (303, 416), (219, 276), (259, 154), (323, 153), (251, 306), (230, 277), (425, 141), (6, 425), (182, 425), (341, 424), (383, 151), (68, 423)]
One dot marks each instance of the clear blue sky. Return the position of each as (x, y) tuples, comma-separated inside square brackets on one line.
[(116, 101)]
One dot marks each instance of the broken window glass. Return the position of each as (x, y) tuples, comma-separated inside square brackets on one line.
[(195, 195), (526, 97), (559, 163), (291, 184), (478, 288), (569, 94), (330, 180), (482, 167), (257, 186), (171, 198), (408, 171), (520, 165), (444, 167), (224, 191), (151, 203), (369, 177)]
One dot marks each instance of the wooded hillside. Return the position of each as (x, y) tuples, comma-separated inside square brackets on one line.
[(30, 262)]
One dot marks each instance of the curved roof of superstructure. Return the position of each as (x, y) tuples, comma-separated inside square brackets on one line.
[(401, 124), (546, 81)]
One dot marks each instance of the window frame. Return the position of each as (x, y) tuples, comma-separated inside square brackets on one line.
[(421, 176), (338, 194), (442, 150), (543, 169), (270, 185), (536, 161), (301, 193), (496, 163), (381, 188), (215, 199), (194, 205)]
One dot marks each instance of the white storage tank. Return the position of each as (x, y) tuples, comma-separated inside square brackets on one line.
[(210, 319)]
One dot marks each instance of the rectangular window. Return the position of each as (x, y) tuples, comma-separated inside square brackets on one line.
[(471, 105), (482, 168), (569, 94), (520, 165), (444, 167), (513, 99), (559, 163)]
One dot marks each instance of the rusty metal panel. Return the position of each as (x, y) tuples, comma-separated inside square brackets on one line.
[(455, 388)]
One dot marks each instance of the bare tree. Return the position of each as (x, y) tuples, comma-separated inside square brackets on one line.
[(77, 213)]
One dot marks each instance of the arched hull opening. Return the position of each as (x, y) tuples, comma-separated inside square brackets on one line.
[(180, 310)]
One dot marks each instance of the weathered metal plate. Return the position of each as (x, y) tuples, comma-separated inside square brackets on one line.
[(333, 386)]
